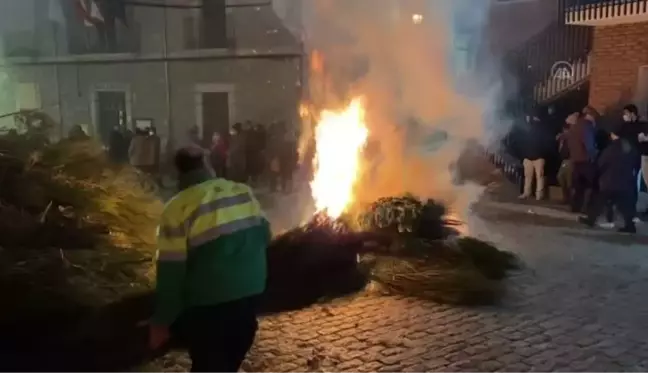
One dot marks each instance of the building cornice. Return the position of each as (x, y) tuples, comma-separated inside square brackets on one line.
[(199, 54)]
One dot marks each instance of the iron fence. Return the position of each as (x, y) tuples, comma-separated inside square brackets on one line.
[(579, 11), (533, 63)]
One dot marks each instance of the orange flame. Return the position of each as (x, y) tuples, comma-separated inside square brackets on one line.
[(339, 139)]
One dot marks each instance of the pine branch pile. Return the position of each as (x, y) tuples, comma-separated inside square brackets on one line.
[(406, 246), (68, 195), (78, 234)]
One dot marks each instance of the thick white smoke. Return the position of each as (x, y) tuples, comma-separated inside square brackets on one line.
[(430, 85), (412, 72)]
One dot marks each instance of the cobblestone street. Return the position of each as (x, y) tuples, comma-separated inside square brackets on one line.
[(580, 305)]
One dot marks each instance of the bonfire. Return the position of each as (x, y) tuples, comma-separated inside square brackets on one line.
[(405, 245)]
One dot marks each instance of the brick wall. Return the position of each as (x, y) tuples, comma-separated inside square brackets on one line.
[(617, 54)]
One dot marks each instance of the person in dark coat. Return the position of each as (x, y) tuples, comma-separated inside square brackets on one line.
[(237, 155), (616, 181), (564, 175), (256, 151), (631, 129), (537, 146), (288, 158), (580, 140), (118, 145)]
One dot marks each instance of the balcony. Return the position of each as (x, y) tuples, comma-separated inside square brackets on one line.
[(153, 33), (605, 12)]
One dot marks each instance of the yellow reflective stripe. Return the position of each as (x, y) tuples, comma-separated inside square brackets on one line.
[(217, 204), (222, 217), (172, 244), (176, 247), (223, 229)]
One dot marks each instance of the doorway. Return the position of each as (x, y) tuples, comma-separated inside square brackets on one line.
[(111, 111), (215, 115)]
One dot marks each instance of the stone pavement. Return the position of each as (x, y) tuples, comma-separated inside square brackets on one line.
[(580, 304)]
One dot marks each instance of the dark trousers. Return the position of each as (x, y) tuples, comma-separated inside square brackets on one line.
[(583, 179), (218, 337), (607, 199), (635, 193)]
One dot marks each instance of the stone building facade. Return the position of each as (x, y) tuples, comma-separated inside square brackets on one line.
[(162, 71)]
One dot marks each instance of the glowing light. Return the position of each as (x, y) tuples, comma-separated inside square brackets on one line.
[(417, 18), (339, 139)]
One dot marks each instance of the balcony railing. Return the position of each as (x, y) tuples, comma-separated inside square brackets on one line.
[(605, 12)]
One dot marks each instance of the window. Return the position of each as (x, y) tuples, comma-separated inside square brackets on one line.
[(191, 29), (17, 96)]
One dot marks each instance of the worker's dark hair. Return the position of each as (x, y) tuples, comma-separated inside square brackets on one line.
[(189, 159), (632, 109)]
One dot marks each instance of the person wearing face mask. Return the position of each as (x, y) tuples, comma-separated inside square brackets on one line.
[(616, 181), (631, 131)]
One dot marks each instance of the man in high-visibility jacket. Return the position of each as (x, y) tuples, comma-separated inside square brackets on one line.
[(211, 267)]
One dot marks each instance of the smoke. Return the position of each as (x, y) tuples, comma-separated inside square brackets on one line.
[(420, 115)]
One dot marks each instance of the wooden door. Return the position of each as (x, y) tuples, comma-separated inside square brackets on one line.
[(111, 111)]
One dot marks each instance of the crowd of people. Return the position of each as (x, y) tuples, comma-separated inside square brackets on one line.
[(254, 154), (250, 153), (603, 164)]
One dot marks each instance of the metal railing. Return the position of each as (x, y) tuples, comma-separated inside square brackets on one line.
[(554, 86), (532, 63), (579, 11)]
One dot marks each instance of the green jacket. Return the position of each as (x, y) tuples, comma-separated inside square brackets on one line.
[(212, 243)]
